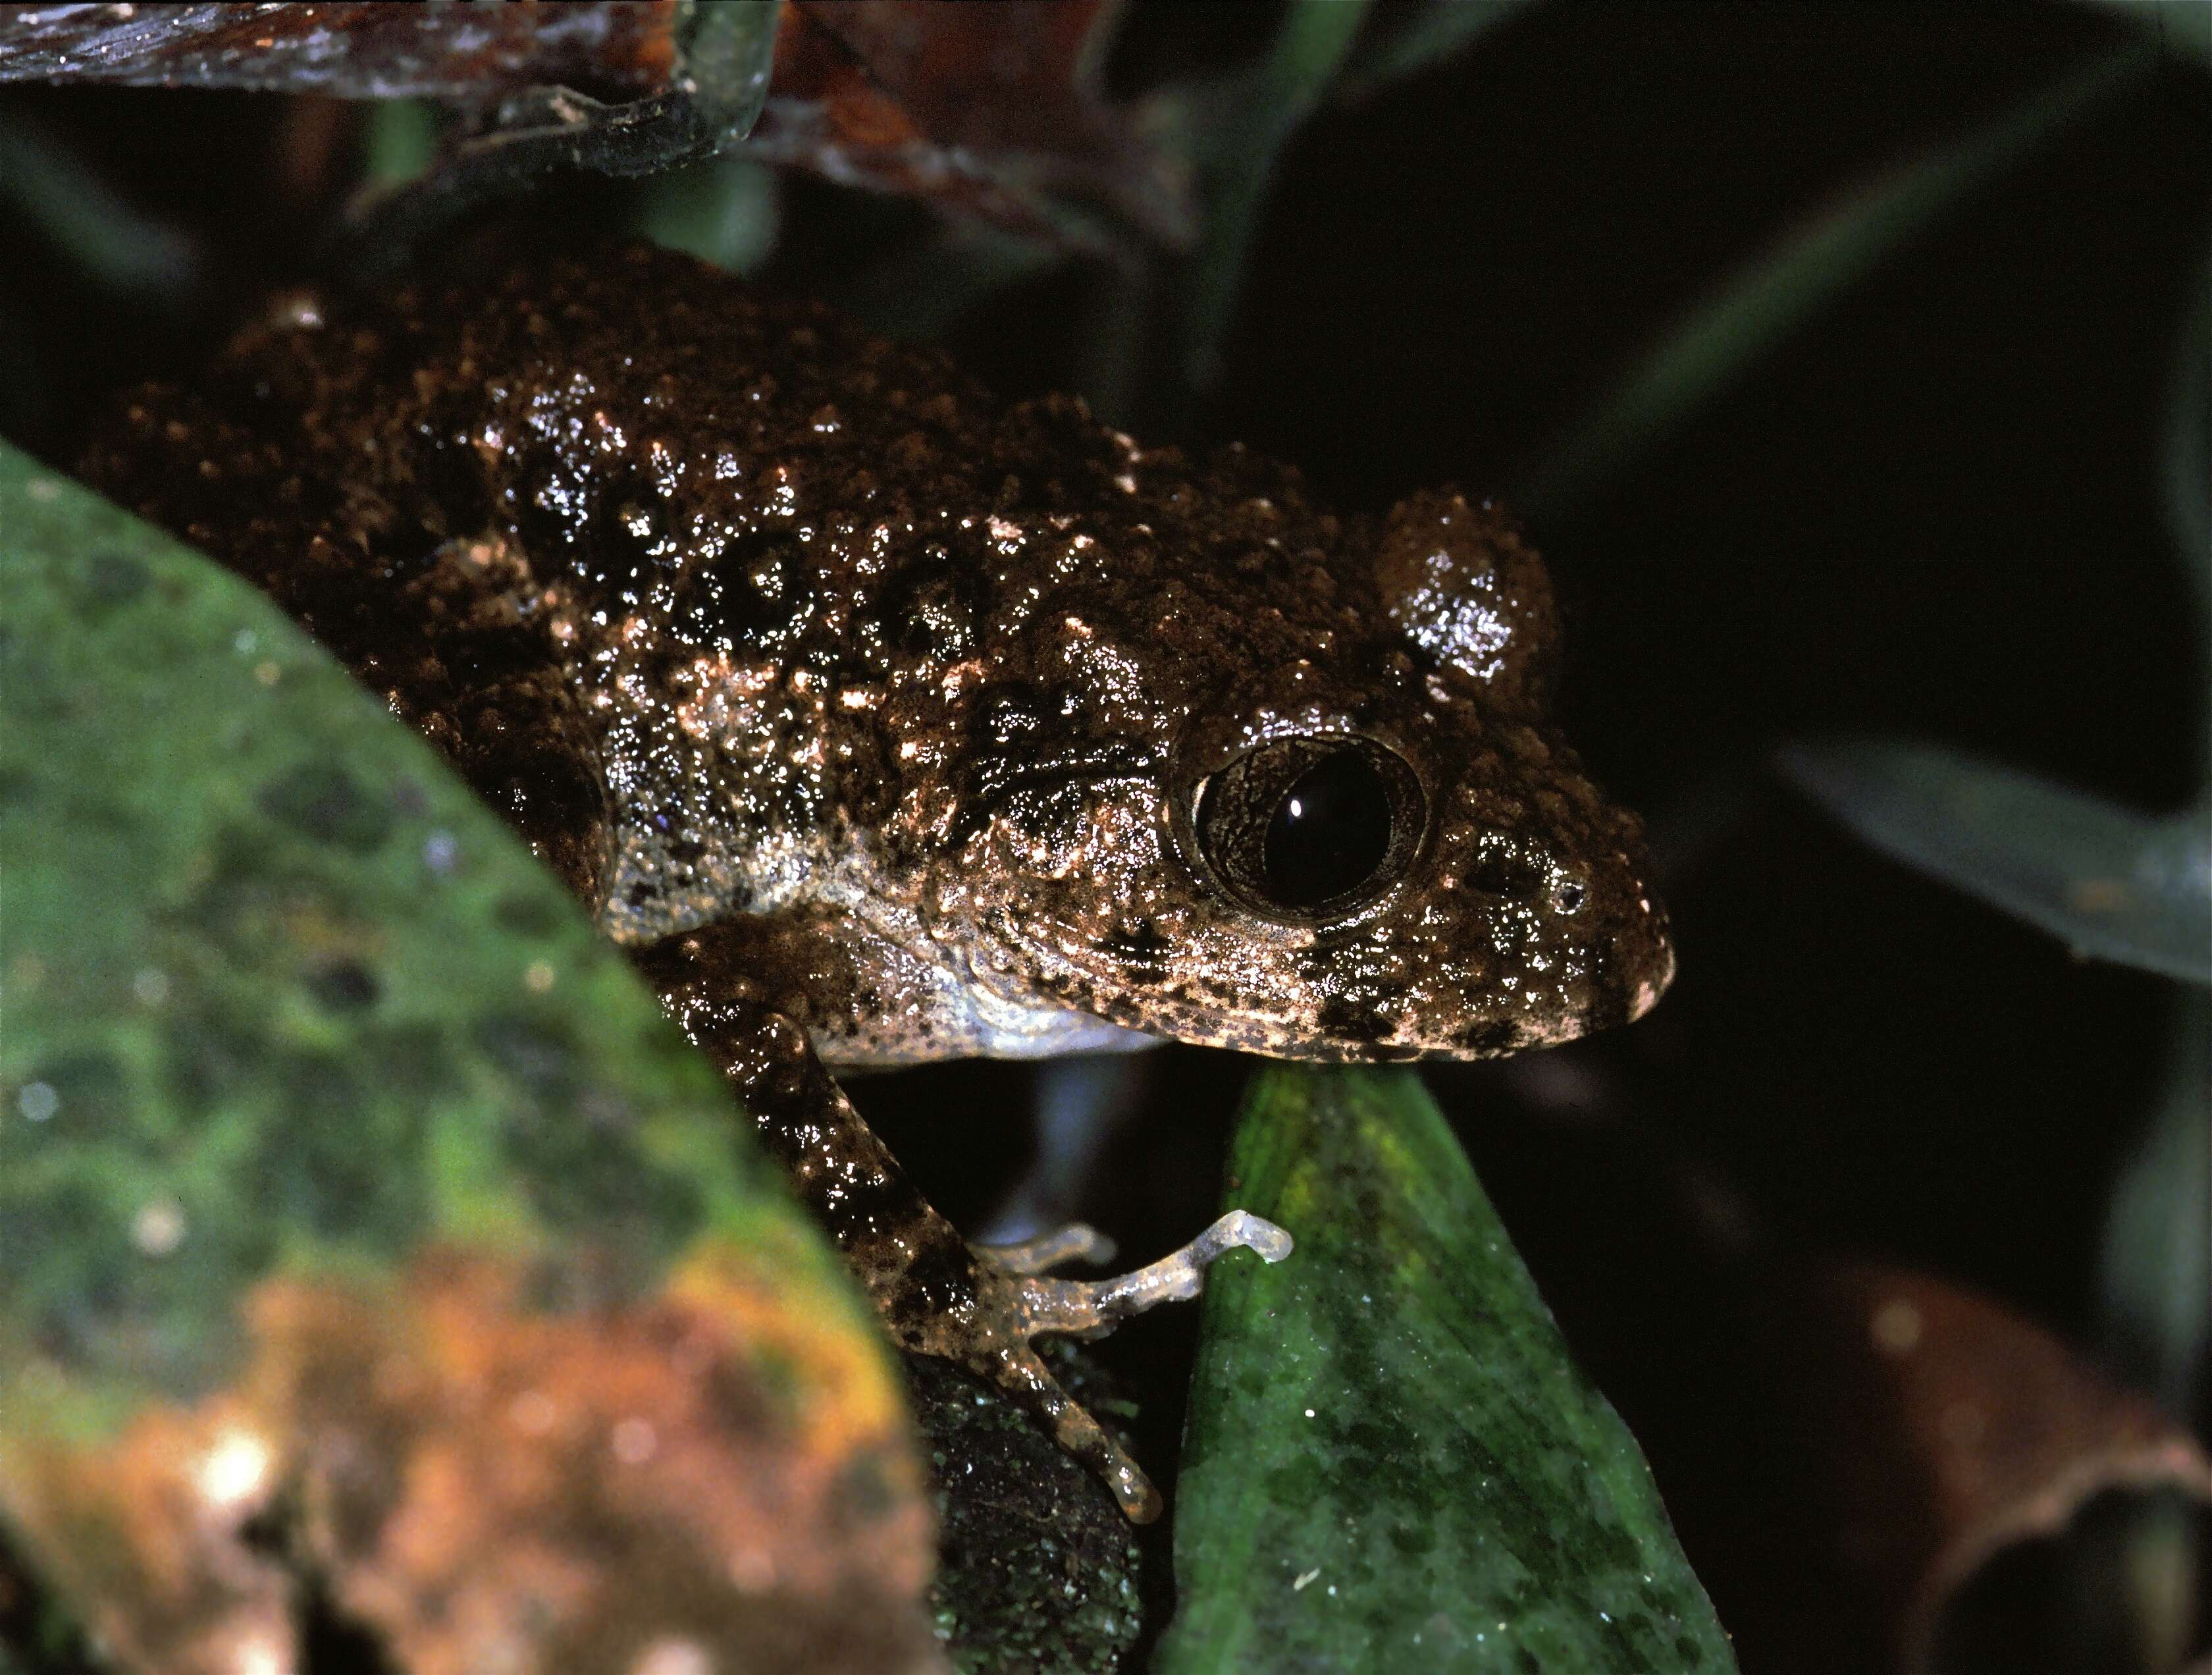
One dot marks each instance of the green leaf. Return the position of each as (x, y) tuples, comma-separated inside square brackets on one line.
[(1435, 31), (2110, 884), (1762, 304), (1390, 1462), (2158, 1247), (2188, 462), (723, 210), (304, 1048), (400, 142), (255, 928), (1235, 145), (2182, 27), (117, 245)]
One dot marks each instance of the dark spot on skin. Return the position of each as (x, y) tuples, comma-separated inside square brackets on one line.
[(1350, 1020), (1490, 1038), (555, 802), (1388, 1053), (936, 1278), (482, 659), (1138, 952), (344, 985), (930, 610), (451, 478), (1117, 1010), (323, 803), (1608, 1002), (629, 525), (1504, 872), (759, 589)]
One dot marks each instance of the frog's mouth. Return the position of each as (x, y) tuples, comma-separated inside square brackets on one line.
[(1318, 1003), (1015, 1025)]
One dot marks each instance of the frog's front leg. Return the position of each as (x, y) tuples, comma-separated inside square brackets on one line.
[(975, 1306)]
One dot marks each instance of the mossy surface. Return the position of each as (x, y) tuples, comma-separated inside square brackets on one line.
[(1040, 1570)]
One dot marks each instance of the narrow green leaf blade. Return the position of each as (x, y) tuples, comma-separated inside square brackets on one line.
[(2183, 28), (2158, 1237), (1760, 305), (2110, 884), (2187, 461), (1390, 1462), (1264, 110), (1435, 31)]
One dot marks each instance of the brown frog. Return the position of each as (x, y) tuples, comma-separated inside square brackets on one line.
[(884, 721)]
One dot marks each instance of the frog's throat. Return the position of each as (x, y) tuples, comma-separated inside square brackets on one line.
[(1008, 1025)]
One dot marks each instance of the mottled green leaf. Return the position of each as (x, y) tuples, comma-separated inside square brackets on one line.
[(1753, 310), (2110, 884), (310, 1071), (1391, 1464), (264, 958)]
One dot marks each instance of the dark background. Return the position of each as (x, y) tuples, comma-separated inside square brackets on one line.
[(1933, 513)]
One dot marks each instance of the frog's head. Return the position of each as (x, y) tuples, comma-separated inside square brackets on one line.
[(1325, 814)]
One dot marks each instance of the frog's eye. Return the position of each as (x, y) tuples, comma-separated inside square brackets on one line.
[(1311, 826)]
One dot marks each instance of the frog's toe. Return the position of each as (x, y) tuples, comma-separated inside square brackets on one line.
[(1019, 1373), (1078, 1241), (1088, 1308)]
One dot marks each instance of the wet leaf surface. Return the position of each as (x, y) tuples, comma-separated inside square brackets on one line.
[(1391, 1461), (994, 111), (365, 1219), (355, 50), (1957, 1489)]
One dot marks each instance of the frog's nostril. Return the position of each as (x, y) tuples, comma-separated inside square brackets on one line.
[(1568, 896), (1505, 873)]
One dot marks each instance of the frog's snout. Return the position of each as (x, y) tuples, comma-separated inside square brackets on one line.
[(1649, 988), (1561, 933)]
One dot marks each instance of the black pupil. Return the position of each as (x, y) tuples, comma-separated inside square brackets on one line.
[(1329, 833)]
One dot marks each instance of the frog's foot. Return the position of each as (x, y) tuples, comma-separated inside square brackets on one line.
[(1013, 1303), (973, 1306), (1091, 1308)]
